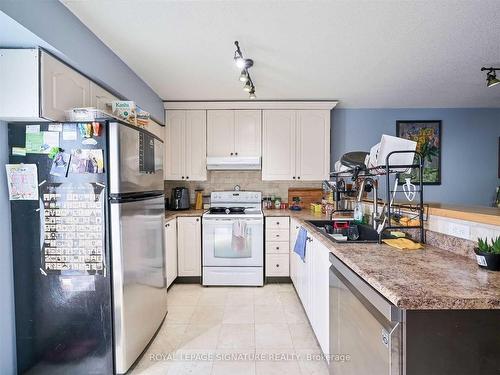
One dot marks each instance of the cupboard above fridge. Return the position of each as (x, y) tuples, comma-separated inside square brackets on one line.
[(40, 87)]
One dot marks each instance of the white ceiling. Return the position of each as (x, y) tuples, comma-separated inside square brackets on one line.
[(364, 53)]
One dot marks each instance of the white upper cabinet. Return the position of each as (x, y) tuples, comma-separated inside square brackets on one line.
[(62, 88), (220, 133), (35, 86), (100, 98), (278, 151), (296, 145), (247, 132), (196, 146), (233, 133), (174, 144), (313, 145), (19, 85), (185, 145)]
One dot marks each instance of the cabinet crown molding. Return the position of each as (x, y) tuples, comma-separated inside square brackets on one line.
[(263, 104)]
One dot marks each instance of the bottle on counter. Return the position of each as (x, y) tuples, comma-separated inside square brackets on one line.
[(277, 203), (358, 213)]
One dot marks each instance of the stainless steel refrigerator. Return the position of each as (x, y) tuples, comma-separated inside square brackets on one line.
[(88, 254)]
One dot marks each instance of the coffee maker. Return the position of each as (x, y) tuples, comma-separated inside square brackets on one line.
[(180, 198)]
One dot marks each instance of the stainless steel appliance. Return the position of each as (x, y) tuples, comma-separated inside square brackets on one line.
[(137, 248), (89, 274), (180, 198), (363, 325), (233, 239)]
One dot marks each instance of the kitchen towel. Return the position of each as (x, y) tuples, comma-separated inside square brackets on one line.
[(239, 234), (403, 244), (300, 244)]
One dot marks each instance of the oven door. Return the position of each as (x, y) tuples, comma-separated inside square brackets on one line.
[(233, 242)]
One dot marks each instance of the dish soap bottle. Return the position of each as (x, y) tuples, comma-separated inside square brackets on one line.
[(358, 213)]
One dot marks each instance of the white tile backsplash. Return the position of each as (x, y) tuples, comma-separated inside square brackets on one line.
[(247, 180)]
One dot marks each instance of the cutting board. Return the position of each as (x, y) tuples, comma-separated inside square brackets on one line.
[(307, 196)]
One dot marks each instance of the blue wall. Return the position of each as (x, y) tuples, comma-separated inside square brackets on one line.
[(469, 147), (74, 43), (7, 330)]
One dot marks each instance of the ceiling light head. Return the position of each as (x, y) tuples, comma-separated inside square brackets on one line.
[(244, 76), (248, 87), (242, 63), (491, 78)]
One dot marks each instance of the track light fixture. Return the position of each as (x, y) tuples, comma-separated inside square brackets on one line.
[(244, 65), (491, 77)]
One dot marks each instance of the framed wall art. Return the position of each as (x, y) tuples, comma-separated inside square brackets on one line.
[(427, 134)]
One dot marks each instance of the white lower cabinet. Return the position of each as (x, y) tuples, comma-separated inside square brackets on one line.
[(311, 281), (277, 265), (277, 245), (294, 258), (320, 294), (189, 246), (171, 250)]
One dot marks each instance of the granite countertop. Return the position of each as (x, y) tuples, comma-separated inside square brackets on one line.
[(169, 214), (430, 278), (301, 215)]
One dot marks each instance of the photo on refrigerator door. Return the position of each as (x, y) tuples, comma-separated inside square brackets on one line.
[(86, 161)]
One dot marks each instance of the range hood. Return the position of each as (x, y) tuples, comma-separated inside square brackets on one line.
[(234, 163)]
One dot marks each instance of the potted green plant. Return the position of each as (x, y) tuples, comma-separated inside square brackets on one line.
[(488, 255)]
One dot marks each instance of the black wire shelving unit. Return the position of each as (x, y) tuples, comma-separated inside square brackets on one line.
[(392, 210)]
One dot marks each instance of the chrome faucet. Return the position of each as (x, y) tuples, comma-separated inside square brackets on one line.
[(373, 184)]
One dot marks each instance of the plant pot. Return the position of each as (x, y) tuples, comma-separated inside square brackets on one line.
[(488, 261)]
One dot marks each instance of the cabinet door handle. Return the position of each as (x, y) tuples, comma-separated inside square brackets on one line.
[(309, 239), (277, 265), (231, 154), (298, 177), (168, 225), (183, 177), (197, 219), (236, 153), (293, 177), (277, 235), (277, 223), (187, 177), (277, 247)]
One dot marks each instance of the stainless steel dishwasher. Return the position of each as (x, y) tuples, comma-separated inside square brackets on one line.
[(365, 328)]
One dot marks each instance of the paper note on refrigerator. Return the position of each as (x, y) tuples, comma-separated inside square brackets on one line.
[(42, 142), (33, 128), (22, 181), (69, 132), (56, 127)]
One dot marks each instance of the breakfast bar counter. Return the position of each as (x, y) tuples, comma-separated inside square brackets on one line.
[(425, 279)]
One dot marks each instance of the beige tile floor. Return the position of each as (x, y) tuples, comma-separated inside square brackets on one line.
[(236, 331)]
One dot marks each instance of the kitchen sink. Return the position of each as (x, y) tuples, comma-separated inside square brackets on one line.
[(366, 233)]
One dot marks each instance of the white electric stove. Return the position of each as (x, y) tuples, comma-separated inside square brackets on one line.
[(233, 239)]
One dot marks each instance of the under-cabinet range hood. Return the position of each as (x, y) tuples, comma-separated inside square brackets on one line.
[(234, 163)]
